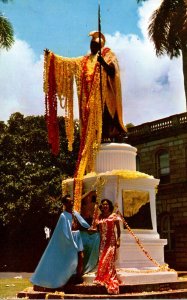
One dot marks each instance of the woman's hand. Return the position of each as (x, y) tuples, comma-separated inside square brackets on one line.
[(92, 230), (46, 51), (118, 242)]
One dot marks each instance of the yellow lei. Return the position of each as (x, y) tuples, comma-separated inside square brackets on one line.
[(86, 72)]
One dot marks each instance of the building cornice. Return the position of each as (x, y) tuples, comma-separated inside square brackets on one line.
[(159, 129)]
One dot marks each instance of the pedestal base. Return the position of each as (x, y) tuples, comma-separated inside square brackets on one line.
[(134, 276), (130, 255)]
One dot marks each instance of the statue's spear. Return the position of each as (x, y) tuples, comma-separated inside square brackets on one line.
[(99, 29)]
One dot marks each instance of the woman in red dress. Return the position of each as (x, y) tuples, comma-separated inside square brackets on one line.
[(110, 241)]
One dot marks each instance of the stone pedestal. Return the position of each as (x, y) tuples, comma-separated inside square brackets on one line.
[(115, 156), (123, 157), (116, 172), (134, 276), (131, 256)]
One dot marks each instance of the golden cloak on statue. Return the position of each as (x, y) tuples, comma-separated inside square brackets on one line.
[(99, 98)]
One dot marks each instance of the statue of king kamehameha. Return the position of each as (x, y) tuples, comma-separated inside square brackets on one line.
[(98, 86)]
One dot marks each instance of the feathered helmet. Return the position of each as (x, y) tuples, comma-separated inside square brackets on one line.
[(95, 37)]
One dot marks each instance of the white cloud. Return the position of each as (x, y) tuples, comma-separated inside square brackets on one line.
[(20, 81), (152, 87)]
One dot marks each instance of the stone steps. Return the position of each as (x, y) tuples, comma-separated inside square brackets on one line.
[(168, 290)]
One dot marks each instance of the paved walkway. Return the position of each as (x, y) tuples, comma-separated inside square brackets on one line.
[(15, 274)]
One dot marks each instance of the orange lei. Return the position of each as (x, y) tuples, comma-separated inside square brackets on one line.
[(59, 73), (90, 133)]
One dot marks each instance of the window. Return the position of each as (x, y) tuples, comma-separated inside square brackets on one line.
[(137, 163), (186, 160), (163, 167), (166, 231)]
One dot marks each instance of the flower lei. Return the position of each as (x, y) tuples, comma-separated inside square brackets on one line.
[(90, 133), (51, 106), (55, 295), (92, 112), (160, 267), (58, 82), (58, 79)]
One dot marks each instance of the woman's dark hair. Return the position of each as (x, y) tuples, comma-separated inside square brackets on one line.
[(111, 206), (65, 199)]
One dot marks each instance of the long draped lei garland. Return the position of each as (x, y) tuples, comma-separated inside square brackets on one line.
[(163, 267), (51, 106), (58, 83), (59, 74), (91, 111)]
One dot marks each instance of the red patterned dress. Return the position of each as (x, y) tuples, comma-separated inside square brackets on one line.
[(106, 272)]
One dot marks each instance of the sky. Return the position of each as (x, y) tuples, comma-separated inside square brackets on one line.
[(152, 87)]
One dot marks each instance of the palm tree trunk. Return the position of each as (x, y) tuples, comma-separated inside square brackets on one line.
[(184, 59)]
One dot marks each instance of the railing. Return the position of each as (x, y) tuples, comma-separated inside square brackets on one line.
[(172, 122)]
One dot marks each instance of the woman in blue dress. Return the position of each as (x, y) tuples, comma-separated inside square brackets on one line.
[(64, 254)]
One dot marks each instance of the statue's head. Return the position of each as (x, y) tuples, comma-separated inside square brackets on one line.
[(94, 44)]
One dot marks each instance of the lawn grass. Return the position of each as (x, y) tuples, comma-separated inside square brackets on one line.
[(9, 287)]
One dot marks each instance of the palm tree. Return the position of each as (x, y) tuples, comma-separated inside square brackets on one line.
[(6, 31), (168, 31)]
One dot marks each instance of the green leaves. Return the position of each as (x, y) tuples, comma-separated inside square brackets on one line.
[(168, 28), (6, 33), (30, 176)]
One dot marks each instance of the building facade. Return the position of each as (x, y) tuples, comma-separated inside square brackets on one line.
[(162, 152)]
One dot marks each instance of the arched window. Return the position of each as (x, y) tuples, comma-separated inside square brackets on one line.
[(163, 166), (137, 163), (167, 232), (186, 159)]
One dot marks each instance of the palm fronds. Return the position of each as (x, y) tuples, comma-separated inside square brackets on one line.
[(5, 1), (168, 27), (6, 33)]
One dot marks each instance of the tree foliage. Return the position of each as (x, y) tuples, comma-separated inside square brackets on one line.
[(30, 175), (30, 179), (5, 1), (168, 27), (6, 31), (168, 31)]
